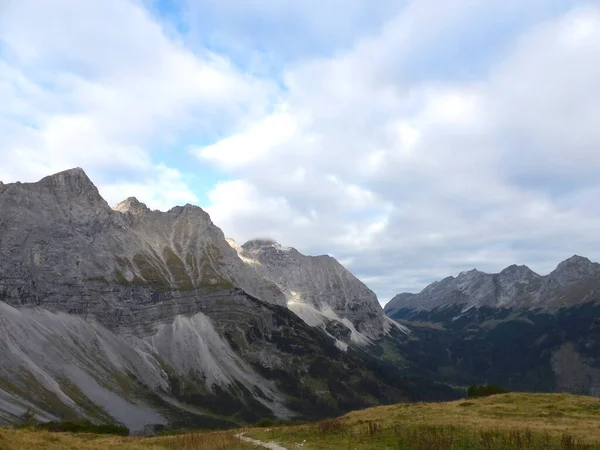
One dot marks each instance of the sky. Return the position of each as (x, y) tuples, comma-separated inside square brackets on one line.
[(411, 140)]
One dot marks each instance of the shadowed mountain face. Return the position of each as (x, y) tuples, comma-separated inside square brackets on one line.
[(148, 317), (516, 328)]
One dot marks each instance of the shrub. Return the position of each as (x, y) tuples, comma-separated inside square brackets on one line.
[(331, 426), (264, 423), (84, 426), (484, 390)]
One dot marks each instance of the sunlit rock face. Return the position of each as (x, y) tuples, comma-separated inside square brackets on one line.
[(319, 290), (149, 317)]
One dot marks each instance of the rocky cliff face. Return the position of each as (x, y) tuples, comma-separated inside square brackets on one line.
[(319, 290), (516, 328), (144, 316)]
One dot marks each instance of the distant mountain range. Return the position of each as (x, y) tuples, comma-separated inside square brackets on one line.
[(146, 317), (517, 328)]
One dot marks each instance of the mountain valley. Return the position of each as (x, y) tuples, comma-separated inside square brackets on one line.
[(516, 328)]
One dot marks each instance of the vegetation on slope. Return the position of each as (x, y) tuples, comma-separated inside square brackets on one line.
[(507, 421), (83, 426), (529, 351), (485, 390)]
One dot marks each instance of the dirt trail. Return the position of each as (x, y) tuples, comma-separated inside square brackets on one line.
[(269, 445)]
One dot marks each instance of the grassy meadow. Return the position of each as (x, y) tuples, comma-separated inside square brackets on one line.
[(507, 421), (29, 439), (503, 422)]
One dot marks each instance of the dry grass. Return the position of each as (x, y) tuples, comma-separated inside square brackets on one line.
[(552, 413), (509, 421), (501, 422), (23, 439)]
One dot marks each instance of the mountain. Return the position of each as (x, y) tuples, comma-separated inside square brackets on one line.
[(516, 328), (574, 281), (147, 317), (320, 291)]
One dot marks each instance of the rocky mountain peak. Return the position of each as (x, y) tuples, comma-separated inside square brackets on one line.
[(260, 242), (74, 180), (517, 273), (469, 273), (188, 210), (515, 269), (574, 262), (469, 276), (318, 289), (70, 189), (575, 269), (132, 205), (269, 250)]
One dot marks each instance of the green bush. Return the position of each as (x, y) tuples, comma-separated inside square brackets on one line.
[(263, 423), (84, 426), (484, 390)]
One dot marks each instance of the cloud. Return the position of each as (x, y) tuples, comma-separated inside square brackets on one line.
[(265, 36), (413, 178), (412, 140), (256, 142), (100, 85), (151, 188)]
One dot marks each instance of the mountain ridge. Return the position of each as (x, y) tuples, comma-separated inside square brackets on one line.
[(516, 328), (516, 286), (149, 317)]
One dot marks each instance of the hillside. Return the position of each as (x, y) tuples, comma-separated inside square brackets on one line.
[(510, 421), (529, 332)]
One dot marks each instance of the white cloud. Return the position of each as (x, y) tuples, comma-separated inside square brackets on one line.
[(243, 201), (439, 136), (413, 179), (151, 189), (266, 33), (407, 135), (256, 142), (100, 85)]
